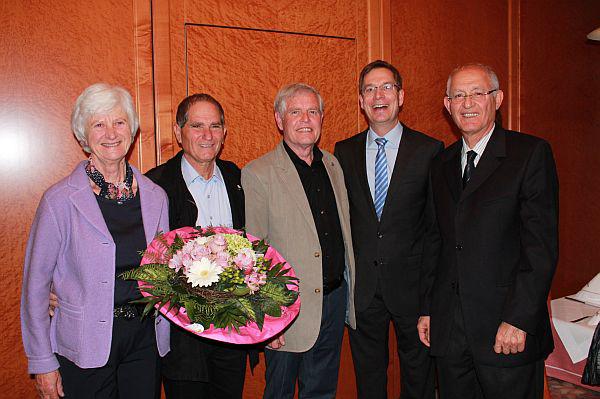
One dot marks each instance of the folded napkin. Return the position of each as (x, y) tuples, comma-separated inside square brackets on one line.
[(590, 293)]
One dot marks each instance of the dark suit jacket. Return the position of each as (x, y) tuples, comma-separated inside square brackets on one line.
[(186, 359), (499, 246), (391, 250)]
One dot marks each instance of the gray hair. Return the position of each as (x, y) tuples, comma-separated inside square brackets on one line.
[(291, 90), (488, 70), (97, 99)]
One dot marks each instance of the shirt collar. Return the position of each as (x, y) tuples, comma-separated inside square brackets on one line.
[(190, 175), (393, 137), (317, 155), (481, 144)]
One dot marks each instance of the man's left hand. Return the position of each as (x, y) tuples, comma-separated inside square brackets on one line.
[(423, 327), (509, 339), (53, 303)]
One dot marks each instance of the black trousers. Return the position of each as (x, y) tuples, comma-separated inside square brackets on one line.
[(460, 377), (369, 344), (132, 370), (226, 372)]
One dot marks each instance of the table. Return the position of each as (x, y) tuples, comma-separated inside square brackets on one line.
[(572, 340)]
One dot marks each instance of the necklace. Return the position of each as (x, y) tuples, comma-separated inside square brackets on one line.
[(120, 192)]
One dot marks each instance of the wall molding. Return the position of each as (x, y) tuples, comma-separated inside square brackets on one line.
[(145, 148), (379, 30), (514, 65)]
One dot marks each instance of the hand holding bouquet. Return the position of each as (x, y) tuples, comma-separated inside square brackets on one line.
[(218, 283)]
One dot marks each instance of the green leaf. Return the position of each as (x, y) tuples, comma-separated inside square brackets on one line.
[(177, 244), (274, 270), (260, 247), (284, 280), (260, 317), (229, 317), (271, 307), (150, 307), (200, 312), (150, 273), (278, 293), (246, 306), (241, 291), (283, 273)]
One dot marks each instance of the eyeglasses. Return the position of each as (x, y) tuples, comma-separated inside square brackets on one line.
[(386, 88), (477, 96)]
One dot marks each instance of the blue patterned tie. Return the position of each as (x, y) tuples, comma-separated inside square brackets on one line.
[(381, 176)]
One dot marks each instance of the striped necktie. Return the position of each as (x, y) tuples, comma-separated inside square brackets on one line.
[(381, 176), (469, 167)]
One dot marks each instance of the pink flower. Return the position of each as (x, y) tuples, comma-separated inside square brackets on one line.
[(199, 251), (222, 259), (217, 244), (254, 280), (245, 260), (186, 260), (176, 262)]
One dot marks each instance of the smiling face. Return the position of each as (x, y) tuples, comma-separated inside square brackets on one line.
[(381, 107), (109, 136), (301, 121), (474, 118), (202, 135)]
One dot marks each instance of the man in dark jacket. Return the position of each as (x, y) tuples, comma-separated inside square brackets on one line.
[(386, 169), (495, 193), (203, 191)]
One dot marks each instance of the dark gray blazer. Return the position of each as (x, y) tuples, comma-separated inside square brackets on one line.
[(498, 241), (390, 249)]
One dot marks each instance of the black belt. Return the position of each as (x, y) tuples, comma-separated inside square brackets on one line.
[(128, 311), (332, 285)]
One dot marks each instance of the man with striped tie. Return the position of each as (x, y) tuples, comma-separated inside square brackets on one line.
[(386, 171)]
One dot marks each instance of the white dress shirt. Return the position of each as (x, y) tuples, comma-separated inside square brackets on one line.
[(209, 195), (479, 148)]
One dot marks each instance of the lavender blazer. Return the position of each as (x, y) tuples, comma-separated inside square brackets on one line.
[(71, 249)]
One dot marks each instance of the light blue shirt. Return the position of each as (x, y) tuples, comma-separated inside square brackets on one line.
[(209, 195), (393, 138)]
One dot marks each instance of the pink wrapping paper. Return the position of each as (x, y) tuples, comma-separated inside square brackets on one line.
[(249, 334)]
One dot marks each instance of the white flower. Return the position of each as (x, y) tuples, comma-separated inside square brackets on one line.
[(196, 327), (201, 240), (203, 273)]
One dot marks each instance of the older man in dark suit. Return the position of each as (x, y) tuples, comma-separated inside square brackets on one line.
[(386, 169), (203, 191), (495, 194)]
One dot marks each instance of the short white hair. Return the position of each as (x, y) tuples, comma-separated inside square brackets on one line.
[(488, 70), (101, 98), (291, 90)]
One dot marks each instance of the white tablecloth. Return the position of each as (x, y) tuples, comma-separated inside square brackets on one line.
[(576, 337)]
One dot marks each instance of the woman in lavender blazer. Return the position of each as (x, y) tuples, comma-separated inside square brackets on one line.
[(89, 228)]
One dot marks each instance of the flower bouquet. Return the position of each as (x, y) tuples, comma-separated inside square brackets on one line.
[(218, 283)]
